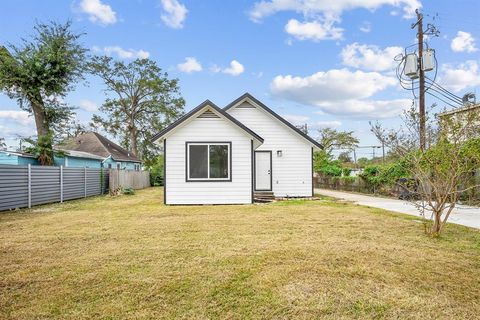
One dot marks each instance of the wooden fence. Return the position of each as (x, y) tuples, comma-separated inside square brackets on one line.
[(128, 179)]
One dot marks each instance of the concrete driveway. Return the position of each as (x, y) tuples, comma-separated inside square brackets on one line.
[(463, 215)]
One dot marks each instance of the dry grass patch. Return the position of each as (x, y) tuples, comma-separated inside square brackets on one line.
[(132, 257)]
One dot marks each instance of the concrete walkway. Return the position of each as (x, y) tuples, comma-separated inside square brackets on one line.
[(463, 215)]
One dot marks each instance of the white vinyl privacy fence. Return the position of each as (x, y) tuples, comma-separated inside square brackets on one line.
[(26, 186)]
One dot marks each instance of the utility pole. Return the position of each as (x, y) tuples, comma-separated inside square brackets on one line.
[(383, 151), (355, 158), (419, 25)]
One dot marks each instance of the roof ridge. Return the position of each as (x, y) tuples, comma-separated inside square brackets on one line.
[(97, 136), (113, 143), (200, 107), (274, 114)]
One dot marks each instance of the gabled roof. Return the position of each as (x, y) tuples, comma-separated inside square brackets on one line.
[(196, 110), (267, 109), (96, 144)]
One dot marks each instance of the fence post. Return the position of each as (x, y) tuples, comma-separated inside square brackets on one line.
[(85, 180), (61, 183), (29, 185)]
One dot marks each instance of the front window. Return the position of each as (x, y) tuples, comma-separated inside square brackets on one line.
[(208, 161)]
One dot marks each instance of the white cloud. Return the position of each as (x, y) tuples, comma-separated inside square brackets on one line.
[(98, 12), (122, 53), (88, 105), (314, 30), (341, 92), (235, 68), (460, 77), (327, 124), (20, 117), (295, 119), (366, 109), (327, 9), (463, 42), (174, 14), (322, 16), (370, 57), (366, 27), (190, 65), (335, 84)]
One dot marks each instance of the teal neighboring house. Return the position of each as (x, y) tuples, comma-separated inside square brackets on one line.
[(17, 158), (90, 150), (113, 156), (71, 159), (78, 159)]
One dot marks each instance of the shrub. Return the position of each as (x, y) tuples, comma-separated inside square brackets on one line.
[(386, 175), (156, 172), (331, 170), (128, 190), (346, 172), (348, 180)]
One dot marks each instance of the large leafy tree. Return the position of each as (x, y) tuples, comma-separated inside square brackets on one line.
[(333, 139), (41, 71), (141, 100)]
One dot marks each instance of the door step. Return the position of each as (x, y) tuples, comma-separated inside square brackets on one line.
[(263, 196)]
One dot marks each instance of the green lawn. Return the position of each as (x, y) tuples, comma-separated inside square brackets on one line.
[(131, 257)]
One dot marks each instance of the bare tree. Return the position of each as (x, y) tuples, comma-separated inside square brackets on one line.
[(444, 170)]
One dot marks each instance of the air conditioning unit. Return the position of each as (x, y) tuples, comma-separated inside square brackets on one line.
[(428, 60), (411, 66)]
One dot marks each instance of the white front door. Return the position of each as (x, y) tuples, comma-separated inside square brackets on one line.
[(263, 170)]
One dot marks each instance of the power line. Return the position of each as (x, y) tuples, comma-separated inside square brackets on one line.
[(451, 105), (446, 97), (443, 89)]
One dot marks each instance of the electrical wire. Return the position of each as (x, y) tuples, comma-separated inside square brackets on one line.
[(443, 89), (451, 105), (445, 96)]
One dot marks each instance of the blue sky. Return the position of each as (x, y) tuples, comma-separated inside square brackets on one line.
[(319, 62)]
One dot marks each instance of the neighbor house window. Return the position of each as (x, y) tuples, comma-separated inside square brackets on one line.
[(208, 161)]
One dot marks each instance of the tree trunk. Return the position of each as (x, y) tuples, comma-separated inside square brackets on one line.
[(39, 115), (437, 223), (133, 140)]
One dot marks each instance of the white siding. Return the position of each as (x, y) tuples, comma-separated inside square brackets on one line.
[(291, 173), (237, 191)]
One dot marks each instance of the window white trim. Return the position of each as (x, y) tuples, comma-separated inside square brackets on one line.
[(208, 144)]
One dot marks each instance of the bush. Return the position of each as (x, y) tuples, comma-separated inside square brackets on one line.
[(331, 170), (346, 172), (156, 172), (128, 190), (386, 175), (346, 181)]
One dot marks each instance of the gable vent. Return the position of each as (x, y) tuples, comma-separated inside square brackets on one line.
[(208, 115), (245, 105)]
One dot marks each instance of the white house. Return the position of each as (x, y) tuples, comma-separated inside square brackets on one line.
[(225, 156)]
